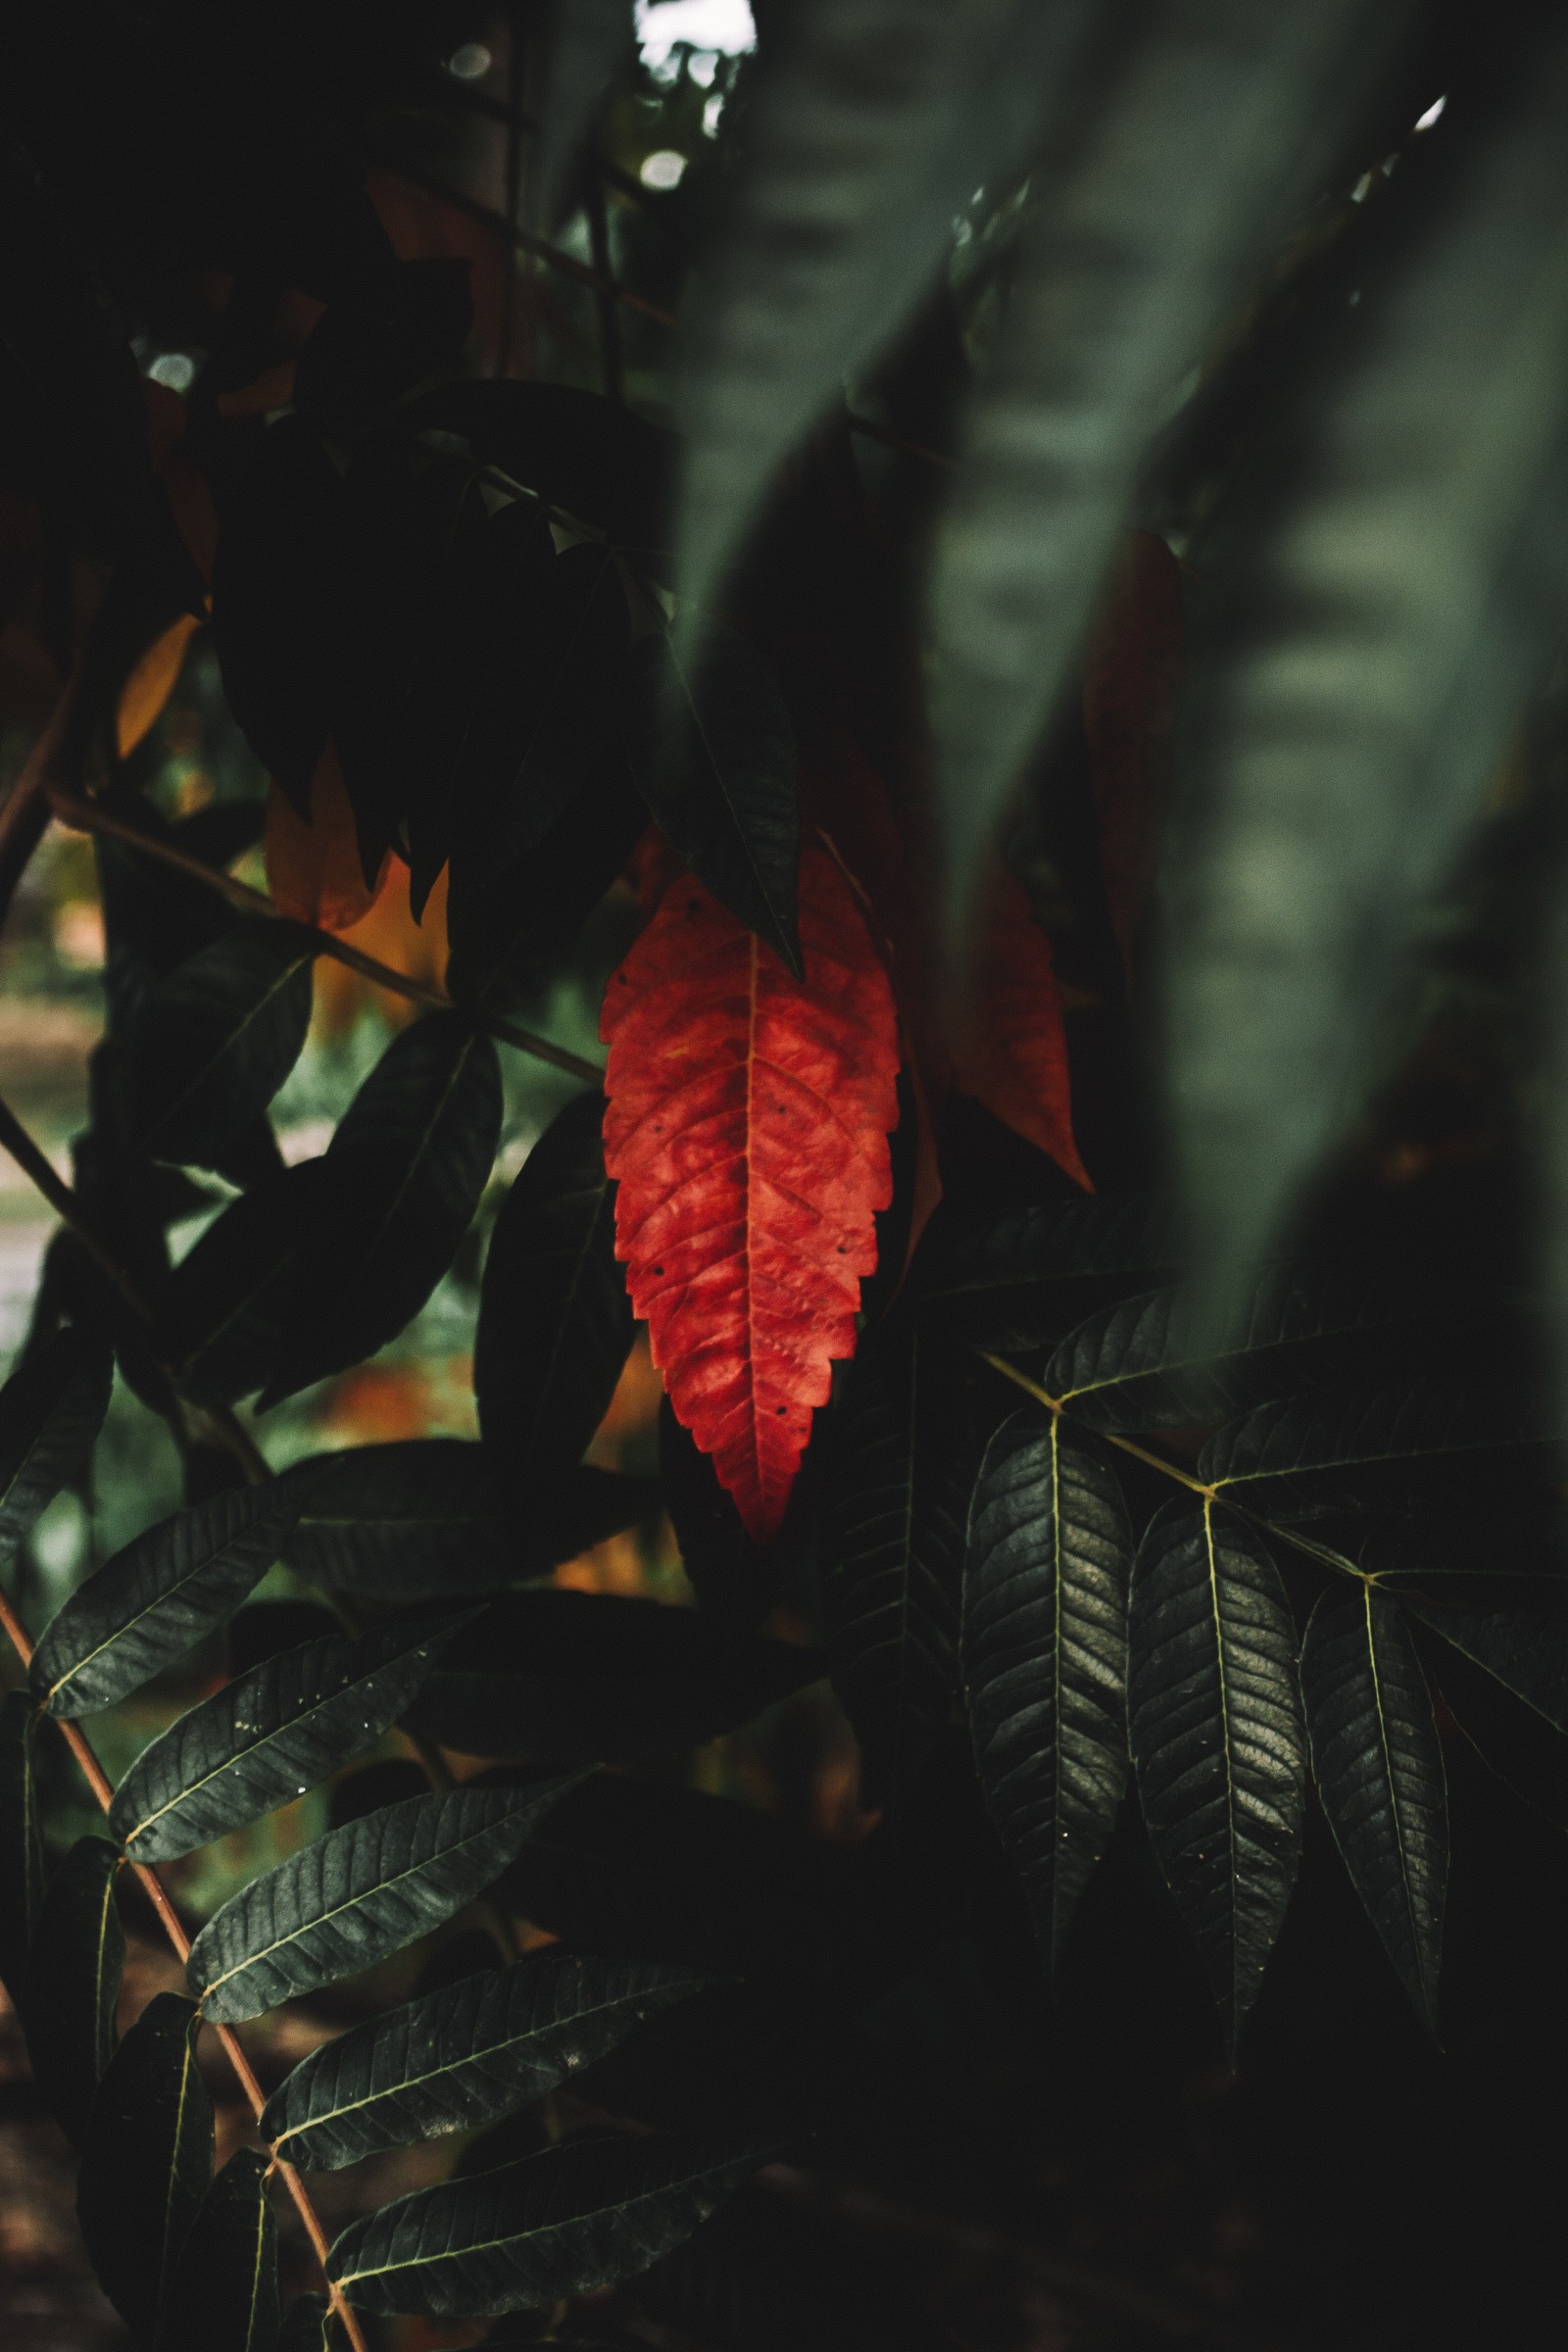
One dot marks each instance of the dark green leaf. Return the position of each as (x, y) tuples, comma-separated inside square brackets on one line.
[(736, 1581), (588, 43), (1159, 1359), (1018, 1280), (308, 2327), (51, 1410), (569, 2222), (273, 599), (1499, 1550), (463, 2056), (155, 1600), (712, 752), (21, 1848), (424, 1516), (226, 2295), (146, 2161), (359, 1894), (217, 1038), (579, 1677), (556, 1325), (73, 1981), (1043, 1653), (400, 1183), (871, 129), (1527, 1654), (384, 334), (1301, 1456), (1219, 1744), (1378, 1763), (220, 1313), (1381, 620), (893, 1512), (1211, 133), (279, 1730)]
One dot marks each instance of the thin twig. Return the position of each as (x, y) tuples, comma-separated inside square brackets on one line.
[(89, 817), (173, 1927)]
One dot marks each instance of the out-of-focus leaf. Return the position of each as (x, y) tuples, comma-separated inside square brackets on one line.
[(51, 1410), (573, 2220), (897, 1501), (400, 1182), (1131, 679), (277, 1730), (155, 1600), (1378, 1763), (221, 1312), (1201, 148), (463, 2056), (873, 124), (1043, 1653), (218, 1038), (273, 595), (579, 1677), (73, 1981), (359, 1894), (587, 43), (1378, 633), (556, 1325), (1011, 1050), (1218, 1744), (146, 2161), (226, 2295), (21, 1847), (712, 752)]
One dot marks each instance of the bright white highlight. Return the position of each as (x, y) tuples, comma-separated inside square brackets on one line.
[(723, 25)]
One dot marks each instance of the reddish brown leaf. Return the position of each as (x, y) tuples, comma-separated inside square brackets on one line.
[(1130, 687), (747, 1130), (1011, 1050)]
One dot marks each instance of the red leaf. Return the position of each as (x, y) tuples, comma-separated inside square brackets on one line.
[(747, 1130), (1011, 1052), (1130, 688)]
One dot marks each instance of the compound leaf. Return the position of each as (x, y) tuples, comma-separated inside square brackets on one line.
[(146, 2161), (73, 1981), (51, 1410), (226, 2296), (215, 1039)]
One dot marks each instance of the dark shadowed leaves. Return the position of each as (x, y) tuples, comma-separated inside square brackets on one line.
[(155, 1600), (381, 337), (565, 2223), (277, 1730), (893, 1512), (1218, 1744), (556, 1325), (217, 1038), (1043, 1653), (226, 2295), (273, 599), (1526, 1651), (735, 1579), (51, 1410), (713, 754), (577, 1678), (463, 2056), (220, 1313), (73, 1981), (1302, 1456), (21, 1848), (1023, 1277), (400, 1182), (359, 1894), (1378, 1764), (146, 2161)]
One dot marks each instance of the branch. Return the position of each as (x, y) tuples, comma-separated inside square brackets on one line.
[(98, 1781), (88, 816)]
